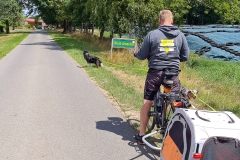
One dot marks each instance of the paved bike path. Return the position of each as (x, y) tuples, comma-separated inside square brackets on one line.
[(50, 109)]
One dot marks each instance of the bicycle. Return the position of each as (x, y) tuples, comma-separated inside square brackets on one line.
[(164, 104)]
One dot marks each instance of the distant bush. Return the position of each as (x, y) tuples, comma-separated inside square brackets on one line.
[(39, 27), (28, 26)]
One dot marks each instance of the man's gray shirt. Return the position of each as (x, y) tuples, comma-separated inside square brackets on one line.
[(164, 47)]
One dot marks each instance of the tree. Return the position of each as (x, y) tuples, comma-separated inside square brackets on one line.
[(10, 11), (99, 13), (200, 13), (179, 9), (227, 10), (213, 11), (142, 16), (135, 17), (78, 13), (54, 12)]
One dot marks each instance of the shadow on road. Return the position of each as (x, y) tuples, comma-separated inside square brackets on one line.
[(122, 128), (49, 45)]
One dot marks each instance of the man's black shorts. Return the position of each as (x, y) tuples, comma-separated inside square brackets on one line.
[(153, 82)]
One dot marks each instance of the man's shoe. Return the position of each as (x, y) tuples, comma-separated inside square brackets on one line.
[(139, 139)]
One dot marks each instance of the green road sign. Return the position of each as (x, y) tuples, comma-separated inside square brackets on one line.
[(123, 43)]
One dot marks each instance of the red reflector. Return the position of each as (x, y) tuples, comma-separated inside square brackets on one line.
[(177, 104), (197, 155)]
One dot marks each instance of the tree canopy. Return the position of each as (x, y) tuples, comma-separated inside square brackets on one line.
[(129, 16), (10, 12)]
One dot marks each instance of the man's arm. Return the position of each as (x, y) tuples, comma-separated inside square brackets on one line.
[(144, 50), (185, 51)]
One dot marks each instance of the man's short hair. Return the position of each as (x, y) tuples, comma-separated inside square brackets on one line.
[(165, 15)]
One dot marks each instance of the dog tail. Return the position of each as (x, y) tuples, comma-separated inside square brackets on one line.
[(100, 62)]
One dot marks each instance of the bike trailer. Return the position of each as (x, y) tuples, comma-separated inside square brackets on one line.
[(201, 134)]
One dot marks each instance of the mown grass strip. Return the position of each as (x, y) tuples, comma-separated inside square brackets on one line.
[(10, 41)]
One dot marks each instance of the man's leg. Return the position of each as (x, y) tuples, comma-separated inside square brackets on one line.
[(143, 120), (147, 104), (152, 85)]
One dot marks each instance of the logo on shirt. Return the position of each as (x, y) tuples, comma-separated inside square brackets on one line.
[(167, 45)]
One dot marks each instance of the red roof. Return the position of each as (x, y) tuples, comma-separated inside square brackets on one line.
[(33, 20), (30, 20)]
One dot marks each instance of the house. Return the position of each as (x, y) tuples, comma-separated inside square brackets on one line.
[(31, 21)]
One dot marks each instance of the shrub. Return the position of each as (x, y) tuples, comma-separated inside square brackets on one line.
[(39, 27), (2, 26), (28, 26)]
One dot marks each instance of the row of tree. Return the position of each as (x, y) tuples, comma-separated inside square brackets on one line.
[(124, 16)]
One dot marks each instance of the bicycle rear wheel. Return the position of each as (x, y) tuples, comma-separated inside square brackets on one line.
[(156, 112), (167, 112), (152, 121)]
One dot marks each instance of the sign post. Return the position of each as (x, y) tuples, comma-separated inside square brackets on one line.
[(123, 43)]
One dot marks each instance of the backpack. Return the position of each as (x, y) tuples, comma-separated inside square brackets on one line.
[(201, 134)]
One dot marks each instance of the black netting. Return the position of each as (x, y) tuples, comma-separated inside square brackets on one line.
[(217, 148), (188, 137), (176, 133)]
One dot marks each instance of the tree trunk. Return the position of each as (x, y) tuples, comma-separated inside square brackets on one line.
[(1, 29), (132, 32), (70, 27), (81, 28), (93, 29), (120, 34), (101, 33), (86, 28), (7, 26), (64, 26), (111, 35), (13, 27)]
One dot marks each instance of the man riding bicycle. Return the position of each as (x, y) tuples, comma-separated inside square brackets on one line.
[(164, 47)]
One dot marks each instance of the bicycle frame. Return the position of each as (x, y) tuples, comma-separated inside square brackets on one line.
[(148, 144), (170, 100), (167, 98)]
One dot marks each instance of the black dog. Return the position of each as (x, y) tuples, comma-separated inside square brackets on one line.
[(90, 59)]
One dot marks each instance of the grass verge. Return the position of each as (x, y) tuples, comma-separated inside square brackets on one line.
[(118, 84), (10, 41)]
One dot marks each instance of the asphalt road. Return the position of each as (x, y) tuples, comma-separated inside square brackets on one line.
[(51, 110)]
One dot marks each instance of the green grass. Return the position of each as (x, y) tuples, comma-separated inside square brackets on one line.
[(10, 41), (125, 95), (217, 81)]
